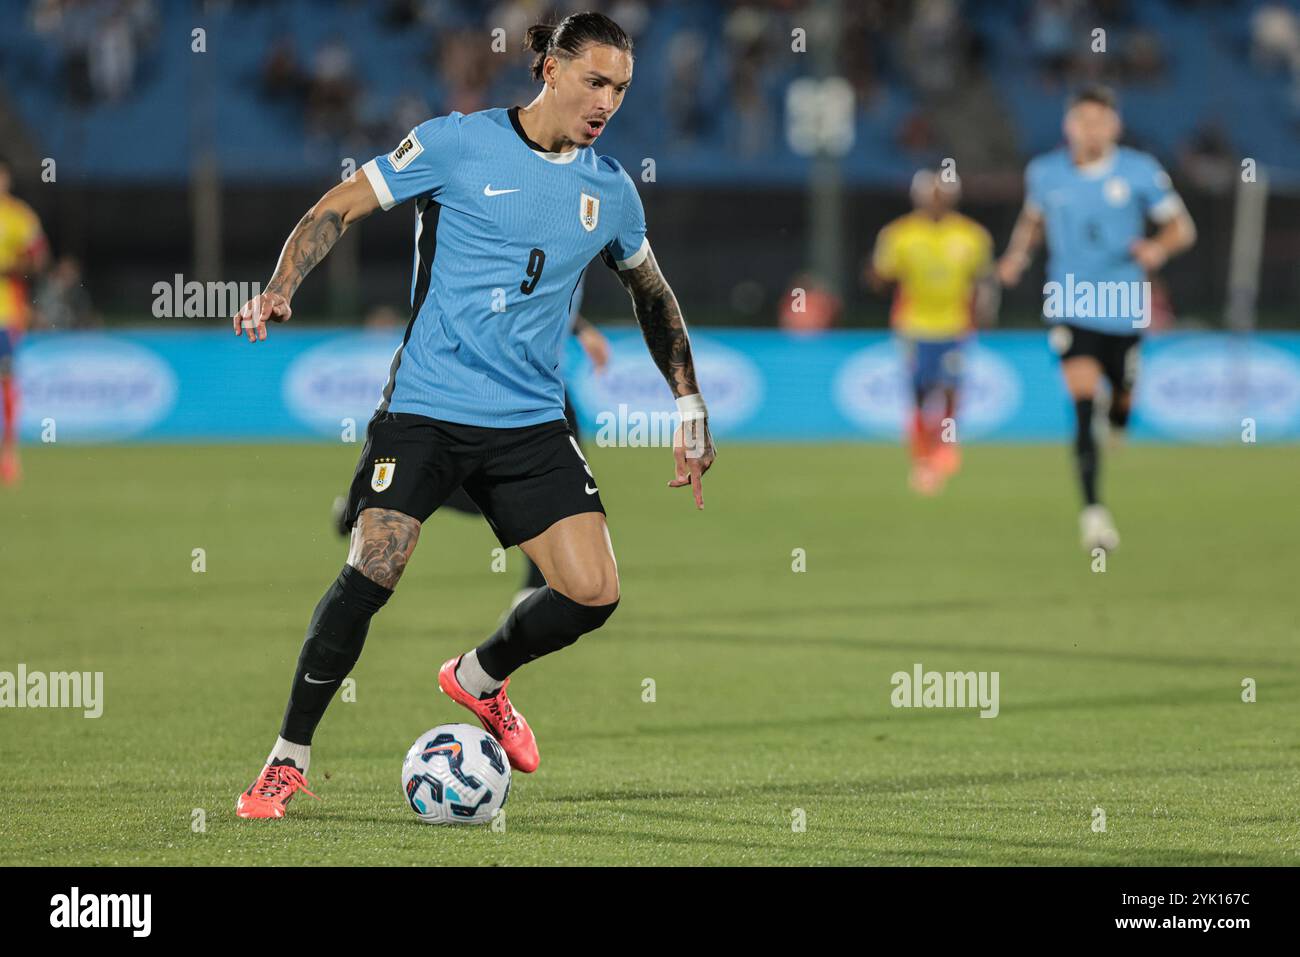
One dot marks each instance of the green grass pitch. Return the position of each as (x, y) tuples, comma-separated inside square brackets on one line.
[(1120, 690)]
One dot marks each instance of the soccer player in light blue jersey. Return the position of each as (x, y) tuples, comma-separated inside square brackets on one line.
[(510, 207), (1092, 200)]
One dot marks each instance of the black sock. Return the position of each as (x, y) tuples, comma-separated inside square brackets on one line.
[(544, 622), (1119, 410), (533, 577), (1085, 450), (334, 639)]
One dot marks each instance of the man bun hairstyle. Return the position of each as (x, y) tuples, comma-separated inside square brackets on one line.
[(568, 38)]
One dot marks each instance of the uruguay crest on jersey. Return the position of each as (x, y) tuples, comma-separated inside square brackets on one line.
[(589, 212), (382, 477)]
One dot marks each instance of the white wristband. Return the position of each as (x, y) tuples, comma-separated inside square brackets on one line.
[(692, 407)]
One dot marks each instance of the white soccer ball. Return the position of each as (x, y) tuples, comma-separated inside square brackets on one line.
[(456, 774)]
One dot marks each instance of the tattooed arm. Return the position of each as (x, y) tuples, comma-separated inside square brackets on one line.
[(316, 233), (664, 329), (661, 322)]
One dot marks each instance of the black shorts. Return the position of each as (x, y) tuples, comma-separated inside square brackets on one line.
[(523, 480), (1117, 354), (459, 499)]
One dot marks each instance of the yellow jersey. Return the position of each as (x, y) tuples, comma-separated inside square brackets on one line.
[(20, 235), (936, 264)]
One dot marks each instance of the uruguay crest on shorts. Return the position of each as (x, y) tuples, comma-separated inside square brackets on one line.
[(385, 469), (588, 211)]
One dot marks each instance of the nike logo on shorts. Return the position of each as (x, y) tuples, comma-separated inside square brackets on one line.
[(589, 490), (308, 679)]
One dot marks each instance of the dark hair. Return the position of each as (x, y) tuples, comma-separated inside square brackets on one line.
[(570, 37), (1095, 93)]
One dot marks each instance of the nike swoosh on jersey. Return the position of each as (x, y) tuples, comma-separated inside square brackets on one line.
[(589, 490), (327, 681), (489, 191)]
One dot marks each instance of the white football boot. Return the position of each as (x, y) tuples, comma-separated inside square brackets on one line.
[(1097, 529)]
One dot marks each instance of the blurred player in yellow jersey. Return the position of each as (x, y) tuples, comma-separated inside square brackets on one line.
[(939, 262), (22, 253)]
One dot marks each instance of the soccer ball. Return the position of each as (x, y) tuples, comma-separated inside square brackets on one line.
[(456, 774)]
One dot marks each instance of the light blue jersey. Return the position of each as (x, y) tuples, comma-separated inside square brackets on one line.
[(1093, 214), (503, 233)]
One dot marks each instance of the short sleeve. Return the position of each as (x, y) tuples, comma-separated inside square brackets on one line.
[(629, 247), (1156, 193), (884, 260), (421, 165)]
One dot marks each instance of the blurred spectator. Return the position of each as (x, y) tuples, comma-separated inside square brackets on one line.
[(1163, 318), (61, 301), (100, 43), (401, 13), (1144, 58), (686, 65), (383, 317), (1052, 37), (753, 125), (1208, 160), (331, 95), (282, 75), (916, 134), (410, 109), (813, 310), (112, 59), (1275, 37), (933, 46), (464, 70)]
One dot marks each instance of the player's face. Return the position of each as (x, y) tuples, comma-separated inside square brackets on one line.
[(589, 90), (942, 199), (1091, 129), (936, 199)]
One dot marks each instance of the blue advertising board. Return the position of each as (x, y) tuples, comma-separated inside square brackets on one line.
[(761, 385)]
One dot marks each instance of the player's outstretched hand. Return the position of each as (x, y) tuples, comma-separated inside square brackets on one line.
[(596, 346), (258, 311), (1010, 268), (1150, 255), (693, 453)]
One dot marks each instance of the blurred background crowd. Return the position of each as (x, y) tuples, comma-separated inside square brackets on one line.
[(277, 94)]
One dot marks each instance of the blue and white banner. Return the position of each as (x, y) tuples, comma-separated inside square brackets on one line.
[(761, 385)]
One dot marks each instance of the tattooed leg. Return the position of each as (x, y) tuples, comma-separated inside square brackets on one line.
[(382, 543)]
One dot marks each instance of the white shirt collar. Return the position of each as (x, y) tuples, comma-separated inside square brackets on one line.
[(1098, 167)]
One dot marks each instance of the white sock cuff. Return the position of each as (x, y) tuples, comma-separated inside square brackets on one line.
[(473, 678), (299, 754)]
